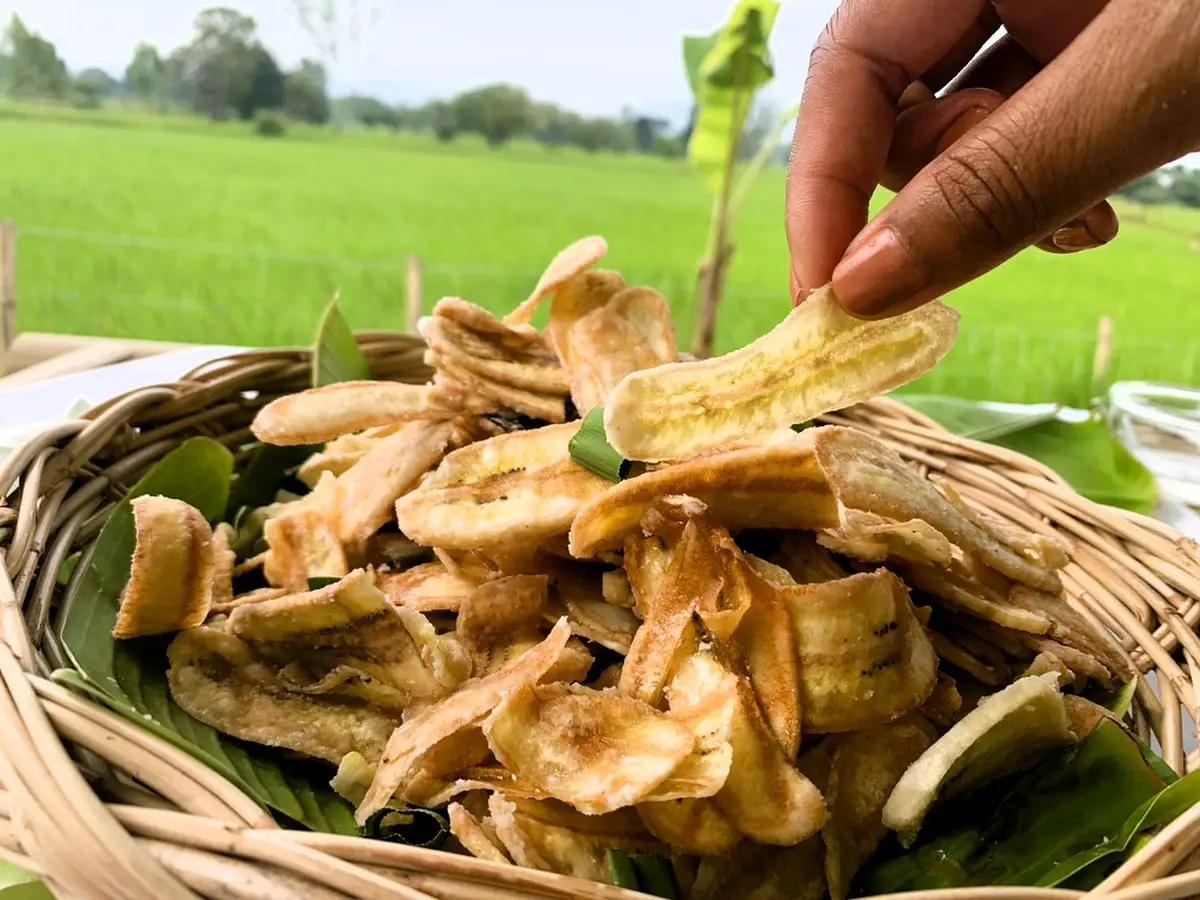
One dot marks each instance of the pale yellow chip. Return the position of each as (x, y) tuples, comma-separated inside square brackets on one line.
[(173, 575), (549, 407), (519, 487), (216, 678), (474, 837), (530, 366), (501, 607), (872, 538), (427, 587), (485, 323), (864, 658), (569, 262), (473, 702), (817, 360), (779, 486), (691, 826), (324, 413)]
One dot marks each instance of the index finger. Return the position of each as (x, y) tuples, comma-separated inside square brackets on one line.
[(870, 51)]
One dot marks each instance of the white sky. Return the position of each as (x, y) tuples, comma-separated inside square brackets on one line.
[(594, 57)]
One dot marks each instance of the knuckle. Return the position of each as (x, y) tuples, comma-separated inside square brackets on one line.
[(987, 190), (836, 50)]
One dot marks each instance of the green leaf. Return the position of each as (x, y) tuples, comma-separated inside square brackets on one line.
[(735, 63), (1118, 700), (266, 470), (979, 420), (336, 356), (645, 872), (18, 884), (621, 868), (319, 581), (590, 448), (1091, 460), (1084, 453), (1067, 805), (130, 676)]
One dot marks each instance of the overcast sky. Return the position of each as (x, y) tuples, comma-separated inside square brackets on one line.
[(594, 57)]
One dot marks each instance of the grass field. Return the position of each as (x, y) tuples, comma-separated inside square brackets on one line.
[(180, 229)]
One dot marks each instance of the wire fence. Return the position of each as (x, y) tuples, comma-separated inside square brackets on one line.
[(161, 288)]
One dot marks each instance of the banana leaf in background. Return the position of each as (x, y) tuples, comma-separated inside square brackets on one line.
[(1071, 819), (18, 884), (1076, 444)]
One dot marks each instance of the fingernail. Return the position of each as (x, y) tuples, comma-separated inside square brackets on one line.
[(964, 123), (877, 275), (1073, 237)]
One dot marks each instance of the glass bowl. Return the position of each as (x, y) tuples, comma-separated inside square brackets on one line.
[(1160, 425)]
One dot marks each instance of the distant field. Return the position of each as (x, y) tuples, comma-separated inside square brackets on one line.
[(180, 229)]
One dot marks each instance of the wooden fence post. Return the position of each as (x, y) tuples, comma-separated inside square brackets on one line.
[(8, 287), (1102, 361), (412, 293)]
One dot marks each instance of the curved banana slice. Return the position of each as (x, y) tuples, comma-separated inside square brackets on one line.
[(536, 371), (595, 750), (173, 573), (777, 486), (1006, 732), (817, 360), (568, 263), (477, 319), (521, 487), (474, 836), (864, 658), (324, 413)]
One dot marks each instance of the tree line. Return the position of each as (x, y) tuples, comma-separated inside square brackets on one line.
[(1176, 185), (226, 72)]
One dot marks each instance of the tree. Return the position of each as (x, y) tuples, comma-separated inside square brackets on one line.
[(91, 86), (33, 68), (305, 96), (220, 63), (497, 112), (646, 131), (145, 74), (263, 88), (443, 119)]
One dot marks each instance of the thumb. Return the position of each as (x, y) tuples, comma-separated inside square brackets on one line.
[(1083, 127)]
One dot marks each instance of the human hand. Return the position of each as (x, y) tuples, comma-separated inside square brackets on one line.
[(1097, 94)]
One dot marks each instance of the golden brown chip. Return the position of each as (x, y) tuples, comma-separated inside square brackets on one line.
[(609, 677), (1071, 628), (484, 323), (959, 656), (595, 750), (472, 703), (817, 360), (568, 263), (473, 836), (173, 575), (865, 768), (342, 453), (579, 594), (550, 407), (872, 538), (1040, 549), (483, 778), (224, 564), (519, 487), (217, 678), (864, 658), (532, 366), (303, 544), (347, 638), (779, 486), (961, 590), (426, 587), (765, 797), (502, 607), (615, 588), (324, 413), (255, 596), (868, 476), (944, 703), (368, 492), (1084, 715), (691, 826), (650, 315), (759, 872), (550, 836)]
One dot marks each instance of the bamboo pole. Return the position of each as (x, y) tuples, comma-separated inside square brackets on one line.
[(8, 288), (413, 293)]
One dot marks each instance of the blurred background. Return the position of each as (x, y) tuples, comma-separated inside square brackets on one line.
[(213, 174)]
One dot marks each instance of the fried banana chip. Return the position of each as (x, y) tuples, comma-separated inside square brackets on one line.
[(342, 453), (1071, 628), (519, 487), (817, 360), (1006, 732), (351, 640), (550, 407), (173, 576), (302, 539), (865, 768), (324, 413), (872, 538), (1040, 549), (944, 703), (533, 366), (427, 587), (778, 486), (575, 298), (474, 836), (594, 750), (691, 826), (368, 492), (764, 797), (759, 872), (960, 590), (806, 560), (501, 608), (607, 343), (552, 837), (482, 322), (224, 564), (217, 678), (870, 477), (592, 618), (959, 656), (469, 706), (569, 262), (864, 658)]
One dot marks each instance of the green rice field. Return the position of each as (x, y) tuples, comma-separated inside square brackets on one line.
[(142, 226)]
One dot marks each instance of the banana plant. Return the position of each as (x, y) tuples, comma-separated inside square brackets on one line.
[(725, 70)]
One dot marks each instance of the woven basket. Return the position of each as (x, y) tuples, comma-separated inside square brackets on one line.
[(102, 808)]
